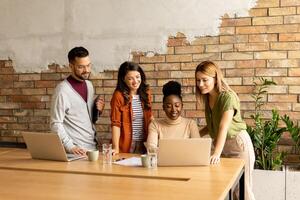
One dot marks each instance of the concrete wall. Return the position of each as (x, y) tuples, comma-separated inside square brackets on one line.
[(37, 33)]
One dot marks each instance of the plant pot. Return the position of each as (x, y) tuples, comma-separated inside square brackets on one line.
[(269, 185), (292, 182)]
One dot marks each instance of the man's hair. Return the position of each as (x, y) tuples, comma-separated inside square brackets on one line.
[(78, 52)]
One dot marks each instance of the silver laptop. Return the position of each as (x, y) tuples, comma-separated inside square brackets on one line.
[(47, 146), (184, 152)]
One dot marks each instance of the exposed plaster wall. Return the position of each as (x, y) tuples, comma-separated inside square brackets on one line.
[(36, 33)]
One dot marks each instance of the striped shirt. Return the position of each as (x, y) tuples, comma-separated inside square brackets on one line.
[(138, 119)]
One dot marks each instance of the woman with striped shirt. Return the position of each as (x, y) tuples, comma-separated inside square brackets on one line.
[(131, 110)]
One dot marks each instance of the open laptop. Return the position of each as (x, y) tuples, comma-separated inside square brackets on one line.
[(184, 152), (47, 146)]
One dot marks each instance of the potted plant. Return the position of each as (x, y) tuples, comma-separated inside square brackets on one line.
[(265, 136), (293, 169)]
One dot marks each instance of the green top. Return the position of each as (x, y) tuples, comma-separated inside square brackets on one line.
[(226, 100)]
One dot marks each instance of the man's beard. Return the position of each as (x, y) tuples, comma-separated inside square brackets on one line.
[(84, 76)]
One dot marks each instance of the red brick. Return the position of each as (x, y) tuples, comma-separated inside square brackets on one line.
[(45, 84), (31, 105), (17, 126), (263, 38), (189, 49), (233, 39), (277, 106), (170, 50), (41, 112), (290, 3), (294, 54), (206, 56), (277, 89), (96, 83), (179, 58), (267, 3), (39, 120), (5, 119), (102, 75), (289, 37), (250, 63), (239, 72), (10, 91), (270, 55), (284, 28), (23, 84), (105, 90), (39, 127), (242, 89), (206, 40), (237, 56), (225, 64), (193, 114), (285, 45), (218, 48), (173, 42), (293, 89), (50, 76), (167, 66), (251, 29), (227, 30), (294, 72), (6, 83), (236, 22), (234, 81), (109, 83), (260, 12), (29, 77), (288, 63), (7, 71), (287, 80), (33, 91), (153, 59), (252, 46), (271, 72), (282, 98), (282, 11), (182, 74), (257, 21)]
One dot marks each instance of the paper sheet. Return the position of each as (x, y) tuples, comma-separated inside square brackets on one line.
[(133, 161)]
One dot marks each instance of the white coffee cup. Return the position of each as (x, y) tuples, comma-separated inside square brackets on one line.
[(93, 155)]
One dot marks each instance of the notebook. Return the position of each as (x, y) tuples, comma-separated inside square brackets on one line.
[(47, 146), (184, 152)]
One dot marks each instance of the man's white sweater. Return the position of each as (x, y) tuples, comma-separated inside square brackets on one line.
[(71, 116)]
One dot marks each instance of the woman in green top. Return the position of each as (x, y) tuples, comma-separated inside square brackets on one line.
[(223, 119)]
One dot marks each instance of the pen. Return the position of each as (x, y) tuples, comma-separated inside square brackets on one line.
[(119, 159)]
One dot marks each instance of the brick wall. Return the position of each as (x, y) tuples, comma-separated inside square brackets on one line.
[(266, 43)]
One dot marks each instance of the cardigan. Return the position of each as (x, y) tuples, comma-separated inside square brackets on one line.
[(71, 116)]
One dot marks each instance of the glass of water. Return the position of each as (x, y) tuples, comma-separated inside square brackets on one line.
[(107, 153), (152, 156)]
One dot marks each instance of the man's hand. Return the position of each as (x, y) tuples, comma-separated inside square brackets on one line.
[(78, 151), (100, 104)]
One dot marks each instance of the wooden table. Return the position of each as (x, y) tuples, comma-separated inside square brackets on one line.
[(31, 179)]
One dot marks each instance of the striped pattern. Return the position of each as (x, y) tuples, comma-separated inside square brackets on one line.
[(138, 119)]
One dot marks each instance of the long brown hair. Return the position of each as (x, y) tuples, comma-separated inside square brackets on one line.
[(122, 86), (209, 68)]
